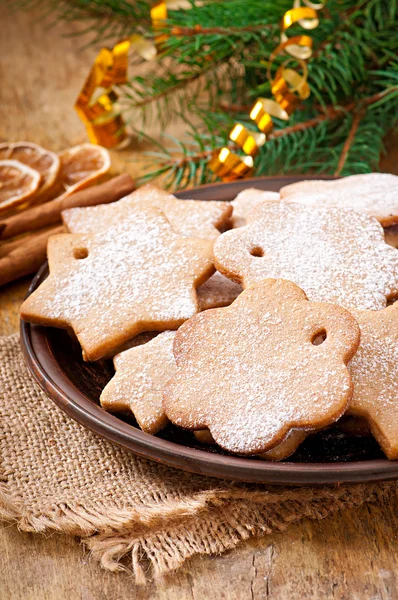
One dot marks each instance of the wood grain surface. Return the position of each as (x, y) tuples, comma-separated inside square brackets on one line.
[(351, 556)]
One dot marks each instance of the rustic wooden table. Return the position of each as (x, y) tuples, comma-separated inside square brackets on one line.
[(351, 556)]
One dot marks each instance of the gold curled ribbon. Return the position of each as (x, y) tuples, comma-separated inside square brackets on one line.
[(307, 16), (289, 87), (96, 104), (228, 165), (262, 111), (248, 141), (313, 5)]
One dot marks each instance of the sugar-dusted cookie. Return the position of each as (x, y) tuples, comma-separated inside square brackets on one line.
[(287, 447), (137, 385), (193, 218), (245, 201), (250, 372), (334, 254), (375, 194), (217, 291), (374, 372), (283, 450), (136, 276)]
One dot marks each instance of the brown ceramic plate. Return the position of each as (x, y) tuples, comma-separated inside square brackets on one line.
[(55, 360)]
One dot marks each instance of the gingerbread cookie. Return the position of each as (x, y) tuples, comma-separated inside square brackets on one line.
[(375, 194), (286, 448), (137, 385), (193, 218), (283, 450), (333, 254), (374, 372), (245, 201), (136, 276), (217, 291), (250, 372)]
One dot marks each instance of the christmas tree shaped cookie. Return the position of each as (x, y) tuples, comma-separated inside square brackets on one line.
[(335, 255), (250, 373), (136, 276)]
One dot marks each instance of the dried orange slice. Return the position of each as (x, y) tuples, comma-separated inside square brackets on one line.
[(81, 166), (45, 162), (18, 183)]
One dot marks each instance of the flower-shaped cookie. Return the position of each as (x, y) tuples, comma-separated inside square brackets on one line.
[(374, 193), (137, 385), (250, 372), (193, 218), (334, 255), (374, 373), (136, 276)]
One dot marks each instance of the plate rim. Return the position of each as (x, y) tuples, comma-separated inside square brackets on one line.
[(61, 390)]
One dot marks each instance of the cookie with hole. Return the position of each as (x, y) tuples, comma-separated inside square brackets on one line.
[(256, 370), (335, 255), (108, 287)]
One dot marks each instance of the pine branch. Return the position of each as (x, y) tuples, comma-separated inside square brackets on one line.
[(199, 30), (357, 118), (316, 144)]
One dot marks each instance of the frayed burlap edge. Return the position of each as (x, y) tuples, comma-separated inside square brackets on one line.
[(212, 523)]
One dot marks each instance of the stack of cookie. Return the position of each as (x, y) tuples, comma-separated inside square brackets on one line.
[(252, 338)]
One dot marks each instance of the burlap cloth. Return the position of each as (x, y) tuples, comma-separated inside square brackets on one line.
[(57, 476)]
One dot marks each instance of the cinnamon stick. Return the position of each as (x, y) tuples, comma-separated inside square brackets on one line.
[(27, 257), (50, 213)]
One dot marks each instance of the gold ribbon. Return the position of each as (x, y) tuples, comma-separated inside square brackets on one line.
[(97, 103), (288, 86), (229, 165)]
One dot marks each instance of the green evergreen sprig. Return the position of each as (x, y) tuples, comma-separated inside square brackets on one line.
[(212, 66)]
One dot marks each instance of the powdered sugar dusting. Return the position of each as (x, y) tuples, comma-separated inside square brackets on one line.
[(335, 255), (193, 218), (138, 276), (137, 385), (246, 200), (374, 193), (250, 372), (374, 372)]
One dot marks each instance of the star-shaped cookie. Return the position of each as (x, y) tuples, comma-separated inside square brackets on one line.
[(374, 193), (374, 372), (141, 373), (334, 254), (138, 275), (193, 218), (245, 201), (251, 372)]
